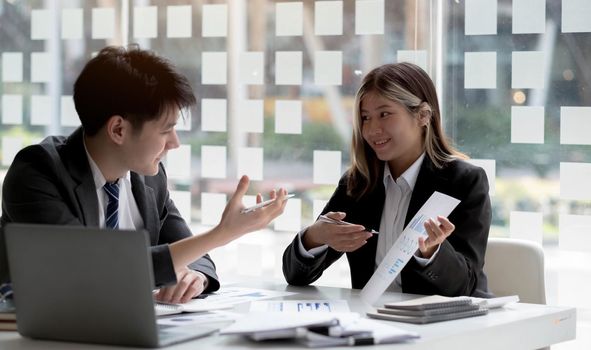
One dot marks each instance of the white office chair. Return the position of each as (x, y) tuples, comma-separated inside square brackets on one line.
[(515, 266)]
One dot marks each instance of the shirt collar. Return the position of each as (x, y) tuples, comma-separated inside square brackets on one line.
[(409, 176), (97, 175)]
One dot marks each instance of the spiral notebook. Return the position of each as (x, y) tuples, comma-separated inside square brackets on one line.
[(434, 308), (429, 318)]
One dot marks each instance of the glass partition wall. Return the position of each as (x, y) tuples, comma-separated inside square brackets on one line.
[(275, 82)]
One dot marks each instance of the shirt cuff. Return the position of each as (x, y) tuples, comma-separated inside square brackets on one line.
[(423, 261), (312, 253)]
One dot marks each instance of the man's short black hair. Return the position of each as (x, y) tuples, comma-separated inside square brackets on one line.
[(136, 84)]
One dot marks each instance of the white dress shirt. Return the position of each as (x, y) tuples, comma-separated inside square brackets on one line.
[(129, 214)]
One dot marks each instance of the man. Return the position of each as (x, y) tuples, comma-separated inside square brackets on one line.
[(108, 173)]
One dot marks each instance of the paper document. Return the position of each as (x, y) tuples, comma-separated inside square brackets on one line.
[(225, 298), (406, 245), (300, 306), (199, 318)]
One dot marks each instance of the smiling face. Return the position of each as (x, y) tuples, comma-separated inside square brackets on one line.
[(392, 132), (145, 148)]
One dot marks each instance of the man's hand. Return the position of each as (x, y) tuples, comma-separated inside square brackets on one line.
[(189, 284)]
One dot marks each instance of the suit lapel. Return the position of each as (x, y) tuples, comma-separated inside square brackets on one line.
[(428, 181), (146, 203), (76, 162)]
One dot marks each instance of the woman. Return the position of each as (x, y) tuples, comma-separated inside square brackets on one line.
[(400, 156)]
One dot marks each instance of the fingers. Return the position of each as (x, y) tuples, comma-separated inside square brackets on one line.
[(259, 198), (188, 286), (339, 215), (241, 189)]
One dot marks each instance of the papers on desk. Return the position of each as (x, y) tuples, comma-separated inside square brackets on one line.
[(299, 306), (225, 298), (406, 245), (199, 318), (317, 329)]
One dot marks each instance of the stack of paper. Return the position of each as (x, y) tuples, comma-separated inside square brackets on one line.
[(317, 329), (437, 308)]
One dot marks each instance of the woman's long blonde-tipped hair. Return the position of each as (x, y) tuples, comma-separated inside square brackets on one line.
[(409, 85)]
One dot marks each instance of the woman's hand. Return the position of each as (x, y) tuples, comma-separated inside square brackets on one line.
[(437, 234), (342, 238)]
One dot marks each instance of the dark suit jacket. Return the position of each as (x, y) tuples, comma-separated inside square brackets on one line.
[(457, 268), (52, 183)]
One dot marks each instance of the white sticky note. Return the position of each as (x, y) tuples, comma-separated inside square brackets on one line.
[(40, 110), (215, 20), (490, 168), (179, 22), (418, 57), (12, 109), (145, 22), (369, 17), (288, 68), (213, 68), (328, 68), (212, 207), (575, 125), (327, 167), (40, 67), (69, 117), (252, 68), (575, 16), (529, 16), (527, 124), (291, 218), (480, 17), (574, 181), (574, 232), (182, 201), (527, 71), (213, 162), (250, 162), (288, 117), (480, 70), (250, 116), (41, 24), (10, 147), (289, 18), (72, 24), (328, 18), (526, 225), (317, 207), (103, 23), (12, 67), (178, 163), (214, 114)]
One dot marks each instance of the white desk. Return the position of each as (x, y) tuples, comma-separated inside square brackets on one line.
[(521, 326)]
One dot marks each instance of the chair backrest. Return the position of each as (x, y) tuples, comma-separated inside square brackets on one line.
[(515, 266)]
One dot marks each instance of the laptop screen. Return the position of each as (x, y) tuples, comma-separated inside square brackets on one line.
[(82, 284)]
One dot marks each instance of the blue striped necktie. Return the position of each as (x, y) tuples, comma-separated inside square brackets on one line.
[(112, 215)]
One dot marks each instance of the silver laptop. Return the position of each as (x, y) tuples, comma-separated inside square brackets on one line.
[(89, 285)]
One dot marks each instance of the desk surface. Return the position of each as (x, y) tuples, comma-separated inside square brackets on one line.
[(519, 326)]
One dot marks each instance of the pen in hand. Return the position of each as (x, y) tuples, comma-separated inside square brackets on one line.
[(263, 204), (340, 222)]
